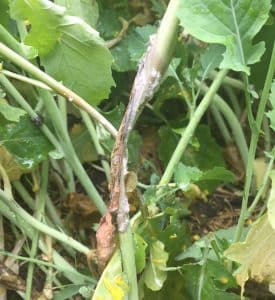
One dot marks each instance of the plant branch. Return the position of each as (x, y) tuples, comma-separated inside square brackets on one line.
[(189, 130), (56, 86), (253, 144)]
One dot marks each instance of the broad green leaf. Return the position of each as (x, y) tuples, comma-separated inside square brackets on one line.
[(184, 175), (271, 113), (212, 57), (70, 50), (154, 273), (112, 284), (87, 10), (67, 292), (34, 147), (230, 23), (256, 255), (140, 252), (271, 201), (4, 16), (9, 112)]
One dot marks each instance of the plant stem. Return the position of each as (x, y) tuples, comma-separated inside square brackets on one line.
[(56, 86), (20, 213), (41, 201), (189, 130), (221, 124), (69, 151), (232, 121), (91, 129), (253, 144), (234, 101), (232, 82), (24, 104)]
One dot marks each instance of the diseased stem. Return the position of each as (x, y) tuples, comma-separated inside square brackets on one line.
[(253, 145), (189, 130), (56, 86)]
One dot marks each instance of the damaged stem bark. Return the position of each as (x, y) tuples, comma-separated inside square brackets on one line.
[(151, 68)]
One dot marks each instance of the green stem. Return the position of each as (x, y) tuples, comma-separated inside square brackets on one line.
[(232, 121), (91, 129), (69, 151), (221, 124), (41, 201), (234, 101), (232, 82), (21, 214), (56, 86), (262, 188), (25, 105), (189, 130), (253, 145)]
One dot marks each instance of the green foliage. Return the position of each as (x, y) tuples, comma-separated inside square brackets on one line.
[(34, 147), (67, 45), (140, 252), (232, 24), (4, 16), (9, 112)]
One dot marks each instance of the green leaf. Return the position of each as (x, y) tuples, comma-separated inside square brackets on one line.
[(139, 41), (87, 10), (154, 274), (271, 201), (184, 175), (67, 292), (212, 57), (230, 23), (34, 147), (70, 50), (112, 284), (4, 16), (9, 112), (271, 113), (140, 252), (256, 255)]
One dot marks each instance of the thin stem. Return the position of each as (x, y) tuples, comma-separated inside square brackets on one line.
[(189, 130), (69, 151), (221, 124), (234, 101), (24, 104), (100, 151), (232, 121), (262, 188), (20, 213), (232, 82), (41, 201), (253, 144), (56, 86)]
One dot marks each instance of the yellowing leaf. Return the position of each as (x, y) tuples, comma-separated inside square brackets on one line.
[(112, 284), (256, 255)]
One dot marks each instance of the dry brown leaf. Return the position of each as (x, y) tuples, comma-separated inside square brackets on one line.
[(80, 204)]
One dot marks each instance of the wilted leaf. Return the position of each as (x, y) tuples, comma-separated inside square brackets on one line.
[(12, 168), (154, 273), (80, 204), (112, 284), (230, 23), (256, 255), (9, 112), (70, 50), (140, 252), (34, 146)]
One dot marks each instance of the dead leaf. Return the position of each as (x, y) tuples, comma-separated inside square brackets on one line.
[(256, 255), (80, 204)]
